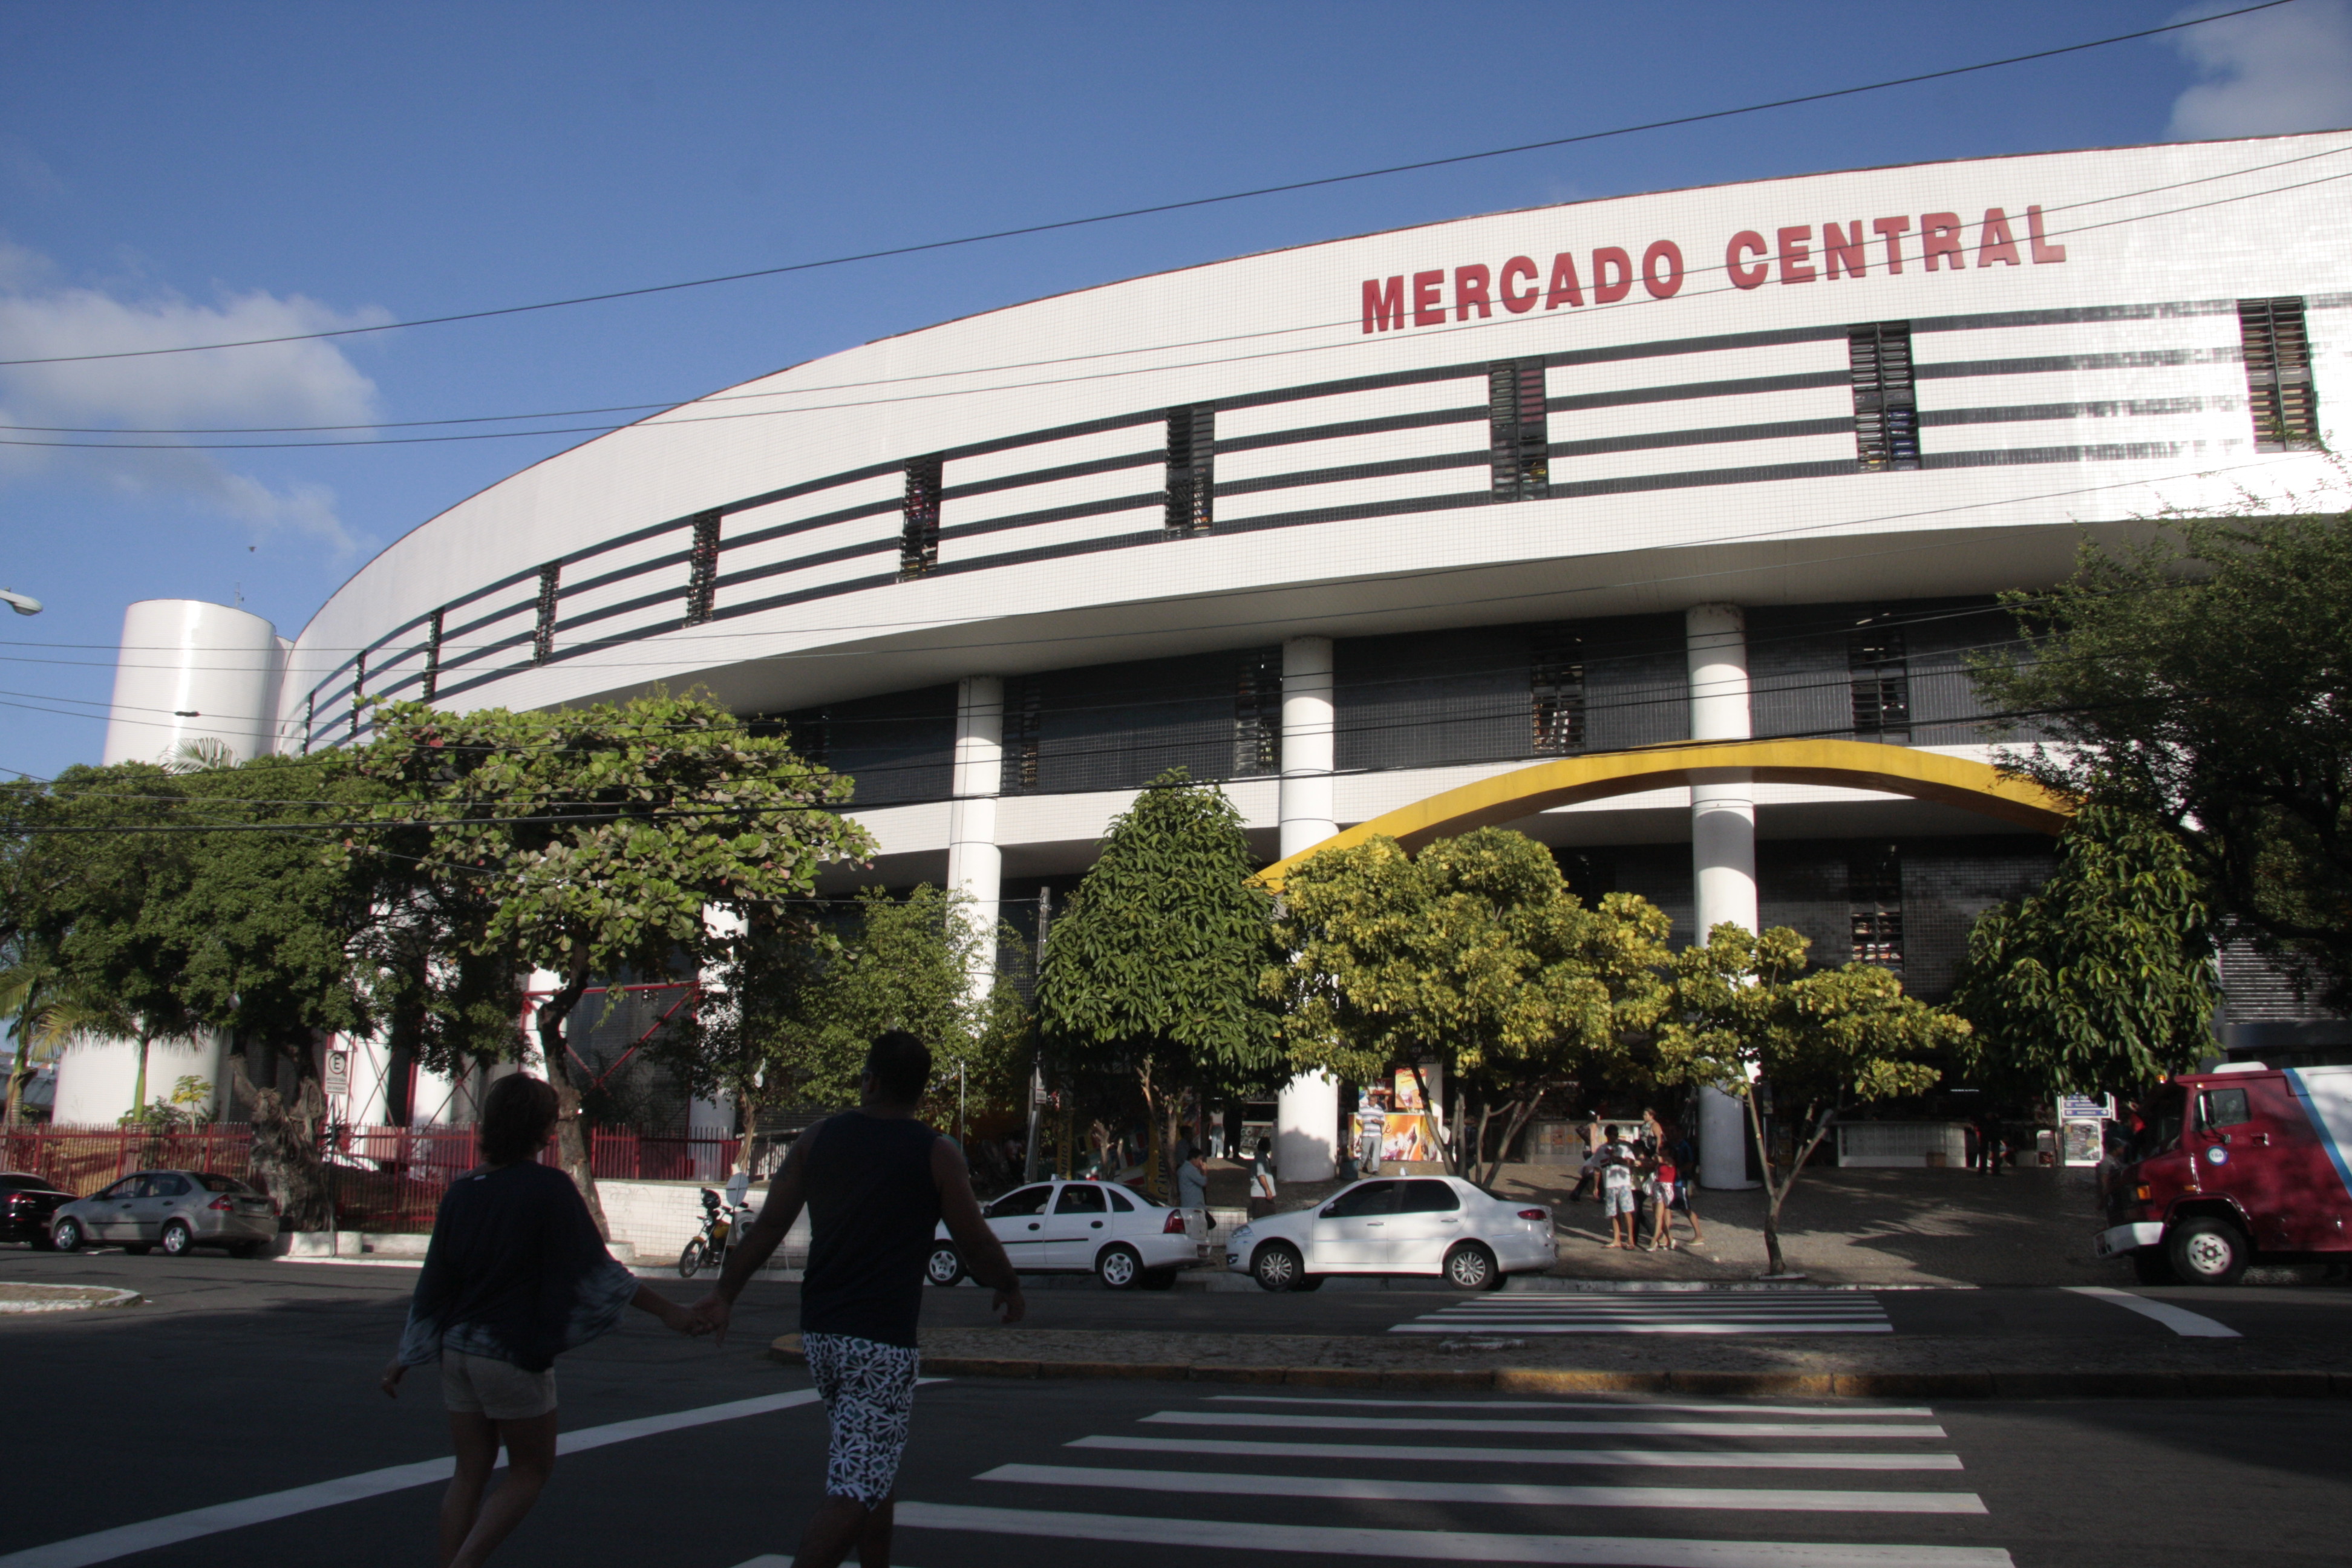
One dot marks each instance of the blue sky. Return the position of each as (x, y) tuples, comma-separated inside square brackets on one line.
[(177, 174)]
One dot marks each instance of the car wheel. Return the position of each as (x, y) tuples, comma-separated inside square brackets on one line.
[(691, 1258), (2151, 1267), (1470, 1267), (66, 1236), (1158, 1280), (945, 1266), (1119, 1267), (178, 1239), (1278, 1267), (2207, 1251)]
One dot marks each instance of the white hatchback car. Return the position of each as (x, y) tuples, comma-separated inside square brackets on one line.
[(1408, 1225), (1081, 1227)]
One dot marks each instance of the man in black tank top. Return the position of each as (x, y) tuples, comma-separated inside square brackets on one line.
[(877, 1182)]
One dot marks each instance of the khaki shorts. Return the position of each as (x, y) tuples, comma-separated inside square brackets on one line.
[(482, 1385)]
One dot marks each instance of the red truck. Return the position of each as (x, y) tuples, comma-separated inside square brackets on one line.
[(2240, 1164)]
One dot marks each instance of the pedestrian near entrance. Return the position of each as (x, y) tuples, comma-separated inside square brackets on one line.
[(1192, 1186), (515, 1274), (1373, 1120), (877, 1182), (1261, 1195), (1617, 1200)]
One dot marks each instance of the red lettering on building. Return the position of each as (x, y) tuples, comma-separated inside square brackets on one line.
[(2043, 250), (1939, 239), (1606, 290), (1565, 289), (1428, 308), (1794, 252), (1470, 285), (1843, 248), (1743, 244), (1894, 228), (1662, 268), (1383, 305), (1997, 243), (1517, 304)]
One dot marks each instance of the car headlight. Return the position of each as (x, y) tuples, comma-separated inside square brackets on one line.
[(1242, 1234)]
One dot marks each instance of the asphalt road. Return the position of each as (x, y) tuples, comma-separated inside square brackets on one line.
[(242, 1381)]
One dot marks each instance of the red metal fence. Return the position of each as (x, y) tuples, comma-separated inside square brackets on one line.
[(383, 1178)]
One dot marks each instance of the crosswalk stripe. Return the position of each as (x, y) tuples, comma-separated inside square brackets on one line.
[(1570, 1404), (1441, 1545), (1861, 1412), (1771, 1500), (1423, 1453), (1664, 1327), (1558, 1428)]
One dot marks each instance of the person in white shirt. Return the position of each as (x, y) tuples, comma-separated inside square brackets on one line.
[(1373, 1118), (1617, 1199)]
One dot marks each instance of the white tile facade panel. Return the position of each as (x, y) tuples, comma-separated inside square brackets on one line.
[(885, 491), (1079, 491), (653, 569), (1352, 492), (1033, 456), (1375, 402), (1309, 456), (1148, 519)]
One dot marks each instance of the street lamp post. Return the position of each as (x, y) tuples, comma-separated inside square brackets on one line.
[(23, 604)]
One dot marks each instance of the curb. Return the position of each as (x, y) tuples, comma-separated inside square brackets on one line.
[(72, 1303), (2186, 1384)]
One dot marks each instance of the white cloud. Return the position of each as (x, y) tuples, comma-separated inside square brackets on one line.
[(277, 384), (2288, 69)]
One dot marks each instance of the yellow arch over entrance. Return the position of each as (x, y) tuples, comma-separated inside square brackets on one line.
[(1853, 764)]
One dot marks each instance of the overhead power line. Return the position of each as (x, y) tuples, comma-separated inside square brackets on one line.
[(1190, 204)]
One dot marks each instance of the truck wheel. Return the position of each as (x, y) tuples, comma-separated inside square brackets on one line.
[(2207, 1251), (2150, 1266)]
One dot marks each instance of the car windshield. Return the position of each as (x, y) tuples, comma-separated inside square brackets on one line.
[(215, 1182)]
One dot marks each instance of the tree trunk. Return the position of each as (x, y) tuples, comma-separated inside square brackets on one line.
[(1436, 1115), (139, 1084), (286, 1146), (571, 1131), (1522, 1112), (1777, 1193), (20, 1072)]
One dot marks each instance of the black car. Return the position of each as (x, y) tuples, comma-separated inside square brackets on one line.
[(26, 1202)]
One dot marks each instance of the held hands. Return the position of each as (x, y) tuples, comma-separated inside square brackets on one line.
[(684, 1320), (711, 1316)]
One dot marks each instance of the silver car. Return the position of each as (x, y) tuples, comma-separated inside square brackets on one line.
[(176, 1210)]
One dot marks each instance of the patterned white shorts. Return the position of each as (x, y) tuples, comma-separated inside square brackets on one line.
[(870, 1394)]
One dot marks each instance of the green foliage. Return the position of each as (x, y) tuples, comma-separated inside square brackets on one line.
[(1474, 954), (2101, 980), (1151, 975), (1746, 1008), (2204, 680)]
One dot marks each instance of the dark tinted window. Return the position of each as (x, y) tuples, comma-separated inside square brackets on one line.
[(213, 1182), (1028, 1200), (1368, 1198), (1081, 1197), (2222, 1108), (168, 1186), (1428, 1198), (1118, 1200), (128, 1187)]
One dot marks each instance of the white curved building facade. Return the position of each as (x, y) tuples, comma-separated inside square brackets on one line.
[(1346, 524)]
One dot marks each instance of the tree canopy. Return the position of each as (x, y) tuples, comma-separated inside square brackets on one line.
[(1474, 954), (2204, 680), (2103, 979)]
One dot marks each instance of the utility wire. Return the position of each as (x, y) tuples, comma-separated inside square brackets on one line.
[(1196, 202)]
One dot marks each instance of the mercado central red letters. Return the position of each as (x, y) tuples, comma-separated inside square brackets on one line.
[(1800, 253)]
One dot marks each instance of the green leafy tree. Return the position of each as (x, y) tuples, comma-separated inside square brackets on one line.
[(787, 1014), (602, 836), (1474, 954), (1153, 973), (1746, 1009), (2204, 680), (2102, 979)]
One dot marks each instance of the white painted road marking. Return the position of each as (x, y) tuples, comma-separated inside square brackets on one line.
[(1441, 1545), (1638, 1458), (1618, 1406), (1553, 1428), (1774, 1500), (106, 1545), (2179, 1320)]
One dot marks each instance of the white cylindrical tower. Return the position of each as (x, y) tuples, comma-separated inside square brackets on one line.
[(1306, 744), (1723, 844), (975, 865), (192, 672)]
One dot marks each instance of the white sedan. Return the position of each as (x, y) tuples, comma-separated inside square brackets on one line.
[(1410, 1224), (1080, 1227)]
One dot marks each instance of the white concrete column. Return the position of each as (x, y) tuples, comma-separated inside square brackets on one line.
[(1307, 1110), (1723, 844), (975, 864), (1307, 750)]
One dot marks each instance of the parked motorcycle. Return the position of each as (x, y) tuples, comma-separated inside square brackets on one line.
[(709, 1250)]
